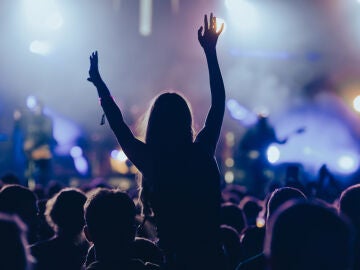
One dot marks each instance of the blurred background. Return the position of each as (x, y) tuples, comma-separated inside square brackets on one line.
[(295, 62)]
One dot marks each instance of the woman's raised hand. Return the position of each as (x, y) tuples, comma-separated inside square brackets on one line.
[(208, 38), (94, 75)]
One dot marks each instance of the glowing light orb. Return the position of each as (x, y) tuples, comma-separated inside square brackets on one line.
[(76, 152), (31, 102), (40, 47), (81, 165), (219, 22), (247, 11), (347, 163), (119, 155), (273, 154), (356, 104), (229, 177), (229, 162)]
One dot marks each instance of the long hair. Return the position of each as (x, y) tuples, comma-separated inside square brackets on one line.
[(169, 121), (166, 124)]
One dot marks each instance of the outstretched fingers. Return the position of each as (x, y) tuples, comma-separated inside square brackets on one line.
[(206, 25), (212, 22), (200, 35)]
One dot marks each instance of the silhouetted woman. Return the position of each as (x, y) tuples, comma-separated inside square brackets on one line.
[(181, 180)]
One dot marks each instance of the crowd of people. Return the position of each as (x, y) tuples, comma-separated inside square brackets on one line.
[(180, 218)]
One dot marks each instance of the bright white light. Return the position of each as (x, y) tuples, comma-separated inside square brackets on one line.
[(229, 177), (347, 163), (219, 22), (31, 102), (81, 165), (246, 10), (54, 21), (119, 155), (76, 152), (40, 47), (356, 102), (236, 110), (273, 154), (42, 15), (145, 23)]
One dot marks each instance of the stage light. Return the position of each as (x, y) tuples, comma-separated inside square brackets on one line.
[(246, 10), (119, 155), (40, 47), (81, 165), (229, 162), (273, 154), (236, 110), (31, 102), (219, 22), (55, 21), (76, 152), (230, 139), (145, 19), (260, 222), (239, 112), (229, 177), (347, 163), (356, 103), (42, 15)]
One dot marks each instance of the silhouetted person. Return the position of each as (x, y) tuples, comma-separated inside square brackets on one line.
[(251, 208), (68, 248), (13, 245), (38, 142), (253, 152), (308, 236), (231, 246), (181, 181), (328, 187), (110, 226), (10, 179), (277, 198), (19, 200), (252, 241), (282, 195), (233, 216), (349, 205)]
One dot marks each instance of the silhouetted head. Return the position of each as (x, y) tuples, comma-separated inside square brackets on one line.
[(308, 236), (252, 241), (13, 244), (349, 204), (170, 121), (65, 212), (19, 200), (231, 245), (281, 196), (10, 178), (251, 207), (233, 216), (147, 251), (110, 219)]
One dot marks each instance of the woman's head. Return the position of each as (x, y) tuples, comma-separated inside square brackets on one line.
[(65, 211), (169, 120)]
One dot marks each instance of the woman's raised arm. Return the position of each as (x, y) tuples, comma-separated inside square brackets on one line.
[(132, 147), (208, 36)]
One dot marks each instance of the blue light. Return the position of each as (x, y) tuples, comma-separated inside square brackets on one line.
[(273, 154), (31, 102)]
